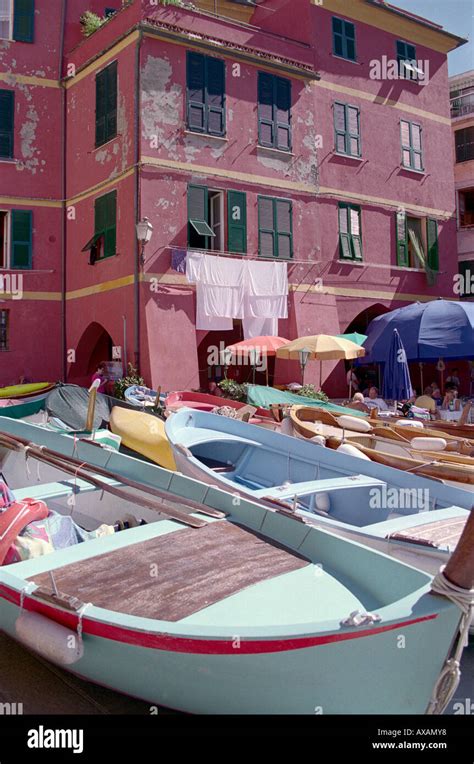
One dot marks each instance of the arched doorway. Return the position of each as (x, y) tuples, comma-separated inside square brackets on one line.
[(94, 346), (367, 374)]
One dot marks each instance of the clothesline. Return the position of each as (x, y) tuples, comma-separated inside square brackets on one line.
[(244, 256)]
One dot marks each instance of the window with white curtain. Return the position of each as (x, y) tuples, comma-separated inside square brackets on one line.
[(6, 19)]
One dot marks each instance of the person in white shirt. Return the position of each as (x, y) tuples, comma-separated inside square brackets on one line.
[(374, 402)]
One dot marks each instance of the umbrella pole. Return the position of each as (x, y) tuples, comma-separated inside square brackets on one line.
[(266, 372), (421, 379), (320, 374)]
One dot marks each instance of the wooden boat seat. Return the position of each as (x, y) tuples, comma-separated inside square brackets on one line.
[(437, 534), (195, 569), (59, 489)]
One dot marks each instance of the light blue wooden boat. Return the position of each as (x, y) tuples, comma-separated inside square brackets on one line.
[(411, 517), (248, 613)]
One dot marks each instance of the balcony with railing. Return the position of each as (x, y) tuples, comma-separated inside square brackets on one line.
[(462, 104)]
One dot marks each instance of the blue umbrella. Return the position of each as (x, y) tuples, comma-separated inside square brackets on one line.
[(429, 331), (396, 376)]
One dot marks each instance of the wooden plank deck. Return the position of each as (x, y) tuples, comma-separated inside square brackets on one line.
[(172, 576), (435, 534)]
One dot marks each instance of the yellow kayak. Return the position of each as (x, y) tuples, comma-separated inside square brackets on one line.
[(21, 391), (144, 434)]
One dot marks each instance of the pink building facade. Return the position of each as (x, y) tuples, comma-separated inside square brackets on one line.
[(183, 115)]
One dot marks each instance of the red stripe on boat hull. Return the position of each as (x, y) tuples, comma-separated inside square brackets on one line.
[(203, 646)]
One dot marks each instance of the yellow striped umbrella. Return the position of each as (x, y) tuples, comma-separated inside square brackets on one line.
[(320, 347)]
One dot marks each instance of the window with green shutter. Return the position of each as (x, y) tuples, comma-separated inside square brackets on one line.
[(21, 239), (407, 63), (205, 94), (106, 104), (347, 129), (274, 112), (275, 227), (7, 118), (4, 328), (402, 239), (412, 153), (105, 228), (343, 39), (432, 243), (24, 21), (199, 229), (237, 221), (350, 233)]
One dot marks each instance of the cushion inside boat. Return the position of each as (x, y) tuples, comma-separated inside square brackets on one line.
[(195, 568)]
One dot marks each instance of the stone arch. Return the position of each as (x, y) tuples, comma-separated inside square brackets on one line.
[(94, 346)]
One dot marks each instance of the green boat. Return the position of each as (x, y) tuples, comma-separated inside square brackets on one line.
[(20, 408), (266, 397), (219, 605)]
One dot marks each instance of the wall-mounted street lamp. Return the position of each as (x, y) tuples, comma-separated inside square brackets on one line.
[(144, 232), (304, 355)]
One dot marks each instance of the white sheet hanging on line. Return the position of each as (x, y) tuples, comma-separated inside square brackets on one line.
[(228, 288), (209, 323), (260, 327)]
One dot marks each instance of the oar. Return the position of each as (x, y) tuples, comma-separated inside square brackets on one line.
[(91, 407), (77, 472), (17, 443), (460, 566)]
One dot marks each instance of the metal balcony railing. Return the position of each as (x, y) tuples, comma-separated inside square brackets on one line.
[(462, 105)]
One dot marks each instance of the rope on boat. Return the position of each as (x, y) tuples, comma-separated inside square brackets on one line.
[(358, 618), (79, 622), (26, 590), (450, 675)]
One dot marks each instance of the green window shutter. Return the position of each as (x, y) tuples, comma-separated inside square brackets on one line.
[(215, 96), (111, 102), (198, 217), (21, 237), (353, 130), (266, 227), (196, 96), (402, 239), (432, 241), (105, 223), (99, 215), (266, 123), (237, 221), (274, 112), (282, 114), (100, 108), (24, 21), (284, 228), (345, 251), (110, 238), (7, 118), (340, 127), (356, 232), (347, 129), (106, 104)]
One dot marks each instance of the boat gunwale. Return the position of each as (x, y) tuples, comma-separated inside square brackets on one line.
[(147, 632)]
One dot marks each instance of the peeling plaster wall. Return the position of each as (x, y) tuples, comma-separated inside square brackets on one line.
[(165, 136), (35, 174)]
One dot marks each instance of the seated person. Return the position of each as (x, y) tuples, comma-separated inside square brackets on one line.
[(451, 401), (357, 403), (437, 397), (453, 379), (426, 401), (214, 389), (374, 402)]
